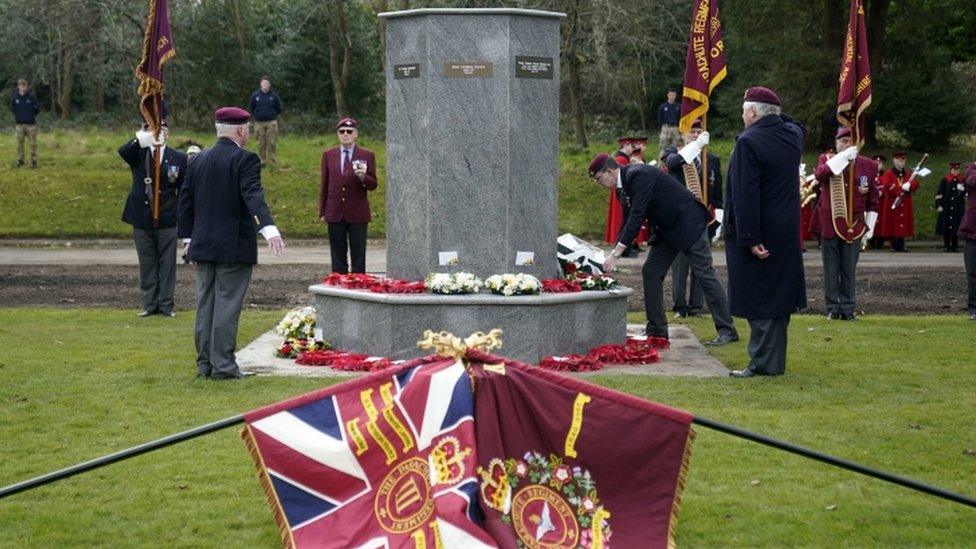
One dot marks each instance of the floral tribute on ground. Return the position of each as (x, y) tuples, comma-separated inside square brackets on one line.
[(637, 350), (298, 329)]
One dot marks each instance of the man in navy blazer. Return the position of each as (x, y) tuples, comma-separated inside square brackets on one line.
[(678, 222), (762, 227), (222, 209), (348, 173), (155, 241)]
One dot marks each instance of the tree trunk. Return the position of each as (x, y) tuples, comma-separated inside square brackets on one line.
[(340, 77), (876, 19), (238, 28), (382, 6), (575, 103)]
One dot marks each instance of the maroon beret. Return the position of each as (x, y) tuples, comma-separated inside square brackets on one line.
[(954, 165), (696, 125), (843, 131), (760, 94), (900, 155), (598, 163), (880, 157), (231, 115), (625, 140), (347, 123), (639, 140)]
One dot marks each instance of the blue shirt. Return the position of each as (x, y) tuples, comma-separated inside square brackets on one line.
[(24, 107), (668, 114), (265, 106)]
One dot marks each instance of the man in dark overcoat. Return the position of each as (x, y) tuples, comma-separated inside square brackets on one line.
[(155, 241), (762, 247), (677, 221), (222, 210)]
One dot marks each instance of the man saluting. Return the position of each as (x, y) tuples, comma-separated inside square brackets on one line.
[(222, 209)]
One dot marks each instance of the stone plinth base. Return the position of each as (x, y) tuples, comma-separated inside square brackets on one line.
[(534, 327)]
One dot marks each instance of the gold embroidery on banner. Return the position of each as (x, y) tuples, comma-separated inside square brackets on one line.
[(352, 427), (576, 425)]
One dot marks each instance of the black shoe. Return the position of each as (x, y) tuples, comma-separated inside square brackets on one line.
[(33, 164), (169, 314), (144, 313), (742, 373), (694, 313), (19, 164), (680, 313), (723, 339), (659, 336), (628, 253), (972, 316), (848, 316), (237, 375), (834, 316)]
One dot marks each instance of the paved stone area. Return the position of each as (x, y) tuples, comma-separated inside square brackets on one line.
[(686, 358)]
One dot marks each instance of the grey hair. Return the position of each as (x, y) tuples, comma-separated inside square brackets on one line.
[(762, 109), (225, 129)]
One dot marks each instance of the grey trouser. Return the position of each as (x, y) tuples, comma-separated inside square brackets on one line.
[(30, 132), (767, 345), (839, 262), (220, 296), (157, 267), (969, 256), (679, 286), (266, 133), (699, 256)]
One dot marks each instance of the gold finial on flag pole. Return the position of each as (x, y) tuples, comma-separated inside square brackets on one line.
[(448, 345)]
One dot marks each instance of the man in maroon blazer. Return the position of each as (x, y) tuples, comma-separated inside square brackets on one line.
[(348, 172)]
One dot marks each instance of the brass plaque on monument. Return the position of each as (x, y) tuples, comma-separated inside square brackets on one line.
[(466, 69), (411, 70), (533, 67)]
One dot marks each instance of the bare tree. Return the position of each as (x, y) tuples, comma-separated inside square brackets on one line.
[(336, 28)]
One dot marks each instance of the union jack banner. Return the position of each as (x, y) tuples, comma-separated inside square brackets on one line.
[(383, 461)]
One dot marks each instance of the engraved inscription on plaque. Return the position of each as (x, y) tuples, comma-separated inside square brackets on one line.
[(411, 70), (467, 69), (533, 67)]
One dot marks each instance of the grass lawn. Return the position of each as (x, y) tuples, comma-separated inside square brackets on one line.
[(890, 392), (81, 185)]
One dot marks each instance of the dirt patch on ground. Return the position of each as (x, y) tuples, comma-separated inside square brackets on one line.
[(887, 290)]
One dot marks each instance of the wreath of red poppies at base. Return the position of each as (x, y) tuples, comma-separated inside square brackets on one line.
[(635, 351)]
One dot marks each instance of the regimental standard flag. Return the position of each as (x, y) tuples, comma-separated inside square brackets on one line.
[(854, 94), (384, 461), (157, 49), (705, 64), (564, 463)]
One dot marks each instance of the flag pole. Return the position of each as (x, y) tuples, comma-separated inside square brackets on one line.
[(157, 160), (835, 461), (121, 455), (704, 422), (704, 162)]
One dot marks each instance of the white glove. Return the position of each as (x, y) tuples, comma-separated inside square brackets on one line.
[(718, 231), (870, 219), (939, 209), (960, 187), (906, 187), (719, 214), (702, 139), (839, 161), (803, 169), (691, 151), (145, 138)]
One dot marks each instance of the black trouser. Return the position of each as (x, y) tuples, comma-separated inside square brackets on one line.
[(767, 345), (951, 241), (656, 266), (156, 249), (839, 262), (898, 244), (347, 237), (970, 260)]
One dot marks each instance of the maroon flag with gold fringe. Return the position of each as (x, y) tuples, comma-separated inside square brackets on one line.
[(157, 49), (565, 463), (854, 93), (705, 64)]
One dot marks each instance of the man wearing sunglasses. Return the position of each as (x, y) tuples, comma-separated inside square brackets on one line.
[(348, 173)]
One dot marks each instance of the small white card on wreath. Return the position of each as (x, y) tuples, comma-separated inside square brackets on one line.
[(445, 259), (318, 335), (524, 258)]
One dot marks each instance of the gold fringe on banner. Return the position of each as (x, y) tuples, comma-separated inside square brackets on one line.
[(679, 489), (448, 345), (279, 513)]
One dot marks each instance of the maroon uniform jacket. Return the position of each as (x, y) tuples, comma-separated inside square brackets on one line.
[(865, 193), (900, 222), (342, 195), (967, 229)]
